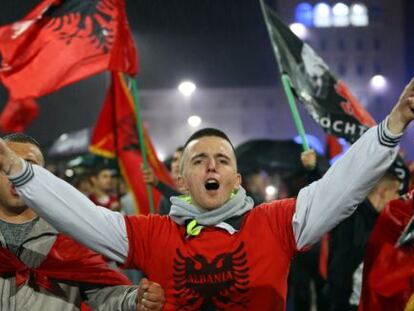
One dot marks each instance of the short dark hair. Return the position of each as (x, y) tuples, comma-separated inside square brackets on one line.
[(206, 132), (77, 179), (96, 170), (391, 173), (389, 176), (209, 131), (179, 149), (24, 139), (21, 138)]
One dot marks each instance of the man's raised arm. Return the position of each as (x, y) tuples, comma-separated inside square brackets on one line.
[(326, 202), (65, 208)]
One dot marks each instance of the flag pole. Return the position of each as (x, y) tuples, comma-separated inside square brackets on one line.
[(140, 131), (116, 142), (294, 110), (287, 86)]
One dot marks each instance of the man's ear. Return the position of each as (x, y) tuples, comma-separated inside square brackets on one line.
[(382, 190), (181, 184), (238, 182)]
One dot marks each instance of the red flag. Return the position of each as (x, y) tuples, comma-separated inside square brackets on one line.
[(115, 135), (333, 147), (64, 41), (17, 115), (66, 260), (351, 105)]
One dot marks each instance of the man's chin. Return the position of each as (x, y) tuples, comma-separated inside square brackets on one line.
[(17, 204), (212, 205), (210, 208)]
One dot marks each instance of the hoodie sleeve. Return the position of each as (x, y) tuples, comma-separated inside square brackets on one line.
[(326, 202), (72, 213)]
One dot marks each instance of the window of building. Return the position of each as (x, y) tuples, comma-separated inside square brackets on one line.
[(304, 14), (378, 100), (341, 70), (359, 15), (377, 68), (359, 45), (323, 45), (360, 70), (377, 44), (322, 15), (341, 44), (340, 15), (376, 13)]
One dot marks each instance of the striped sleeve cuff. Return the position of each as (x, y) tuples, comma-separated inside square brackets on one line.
[(24, 176), (386, 138)]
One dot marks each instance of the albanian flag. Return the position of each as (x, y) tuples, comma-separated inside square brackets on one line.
[(66, 261), (115, 135), (327, 99), (388, 278), (18, 114), (64, 41)]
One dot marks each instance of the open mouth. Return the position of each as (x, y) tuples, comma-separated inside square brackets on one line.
[(212, 184)]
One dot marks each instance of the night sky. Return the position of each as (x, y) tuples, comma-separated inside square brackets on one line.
[(218, 43)]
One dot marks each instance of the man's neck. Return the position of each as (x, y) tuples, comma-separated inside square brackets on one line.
[(100, 194), (17, 215), (375, 202)]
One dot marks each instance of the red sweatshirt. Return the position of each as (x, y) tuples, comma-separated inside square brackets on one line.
[(388, 280), (216, 270)]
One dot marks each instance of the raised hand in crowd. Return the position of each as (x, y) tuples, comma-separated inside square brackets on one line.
[(403, 112), (308, 159)]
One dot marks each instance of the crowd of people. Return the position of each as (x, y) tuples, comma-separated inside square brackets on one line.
[(217, 243)]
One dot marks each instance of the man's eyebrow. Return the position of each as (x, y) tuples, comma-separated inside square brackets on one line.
[(222, 155), (204, 155), (199, 155)]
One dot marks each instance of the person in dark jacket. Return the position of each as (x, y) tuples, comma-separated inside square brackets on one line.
[(348, 242), (255, 182), (304, 271)]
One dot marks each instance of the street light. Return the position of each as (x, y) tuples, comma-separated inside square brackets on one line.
[(187, 88), (194, 121), (69, 172), (271, 192), (299, 29), (378, 82), (340, 12), (161, 155)]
